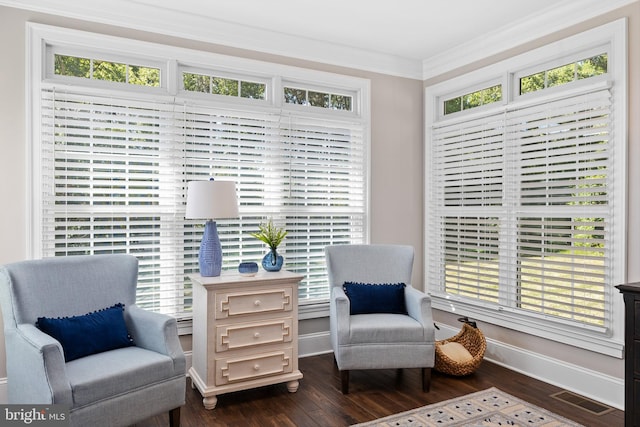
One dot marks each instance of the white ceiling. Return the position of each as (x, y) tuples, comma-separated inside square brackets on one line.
[(412, 38), (415, 29)]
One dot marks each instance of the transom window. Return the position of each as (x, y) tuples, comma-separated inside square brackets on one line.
[(473, 99), (317, 98), (215, 85), (90, 68), (567, 73)]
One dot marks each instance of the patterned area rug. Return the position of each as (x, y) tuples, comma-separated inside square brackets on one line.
[(490, 407)]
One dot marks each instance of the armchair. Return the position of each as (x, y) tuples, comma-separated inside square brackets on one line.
[(118, 387), (377, 340)]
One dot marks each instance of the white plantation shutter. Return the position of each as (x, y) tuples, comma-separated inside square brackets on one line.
[(521, 208), (115, 170)]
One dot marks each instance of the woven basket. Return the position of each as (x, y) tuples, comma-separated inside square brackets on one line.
[(470, 338)]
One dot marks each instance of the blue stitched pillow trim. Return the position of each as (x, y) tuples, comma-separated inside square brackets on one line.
[(92, 333), (365, 298)]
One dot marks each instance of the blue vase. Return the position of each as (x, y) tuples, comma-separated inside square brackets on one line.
[(272, 261), (210, 255), (248, 268)]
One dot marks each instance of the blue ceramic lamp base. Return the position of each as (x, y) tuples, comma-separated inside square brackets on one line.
[(210, 255)]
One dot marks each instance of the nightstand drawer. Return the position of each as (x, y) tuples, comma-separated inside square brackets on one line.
[(231, 337), (230, 304), (246, 368)]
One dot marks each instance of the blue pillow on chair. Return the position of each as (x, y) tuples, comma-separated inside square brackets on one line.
[(80, 336), (367, 298)]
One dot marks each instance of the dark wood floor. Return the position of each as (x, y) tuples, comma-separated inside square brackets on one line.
[(373, 394)]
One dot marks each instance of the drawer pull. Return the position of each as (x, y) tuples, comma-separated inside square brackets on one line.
[(256, 335), (257, 303), (256, 367)]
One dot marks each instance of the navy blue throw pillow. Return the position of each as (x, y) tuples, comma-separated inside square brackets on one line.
[(367, 298), (91, 333)]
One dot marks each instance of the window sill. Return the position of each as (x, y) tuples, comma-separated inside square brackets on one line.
[(313, 310)]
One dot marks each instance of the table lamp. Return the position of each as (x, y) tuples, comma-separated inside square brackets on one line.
[(211, 200)]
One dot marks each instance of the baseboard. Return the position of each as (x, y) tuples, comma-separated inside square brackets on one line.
[(4, 397), (603, 388), (314, 344), (188, 360)]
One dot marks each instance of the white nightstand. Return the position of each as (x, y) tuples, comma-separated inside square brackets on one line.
[(245, 332)]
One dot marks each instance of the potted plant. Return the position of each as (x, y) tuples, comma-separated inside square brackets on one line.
[(272, 236)]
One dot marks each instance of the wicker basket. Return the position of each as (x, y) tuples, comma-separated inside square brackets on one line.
[(470, 338)]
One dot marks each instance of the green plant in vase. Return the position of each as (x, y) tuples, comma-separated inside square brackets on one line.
[(272, 236)]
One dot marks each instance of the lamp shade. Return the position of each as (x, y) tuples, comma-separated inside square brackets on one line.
[(211, 200)]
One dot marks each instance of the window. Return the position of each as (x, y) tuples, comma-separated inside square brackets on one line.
[(223, 86), (317, 98), (567, 73), (112, 163), (524, 199), (89, 68), (473, 99)]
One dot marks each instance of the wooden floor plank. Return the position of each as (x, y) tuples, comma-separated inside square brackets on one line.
[(372, 394)]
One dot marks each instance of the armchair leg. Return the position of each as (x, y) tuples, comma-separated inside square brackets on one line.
[(344, 379), (426, 379), (174, 417)]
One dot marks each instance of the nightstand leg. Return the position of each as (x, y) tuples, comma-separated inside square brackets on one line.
[(292, 386), (210, 402)]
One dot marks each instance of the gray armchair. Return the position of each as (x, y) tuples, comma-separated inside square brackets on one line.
[(118, 387), (378, 340)]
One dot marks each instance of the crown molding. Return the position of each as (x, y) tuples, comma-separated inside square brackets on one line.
[(561, 16)]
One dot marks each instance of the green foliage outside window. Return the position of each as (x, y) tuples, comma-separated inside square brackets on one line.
[(223, 86), (317, 99), (582, 69), (341, 102), (72, 66), (196, 82), (89, 68), (220, 86), (252, 90), (144, 76), (295, 96), (473, 99)]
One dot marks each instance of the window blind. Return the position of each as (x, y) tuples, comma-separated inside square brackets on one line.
[(114, 181), (521, 212), (305, 172), (111, 184)]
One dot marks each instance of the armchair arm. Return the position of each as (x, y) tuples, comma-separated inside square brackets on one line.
[(418, 306), (156, 332), (339, 321), (37, 359)]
